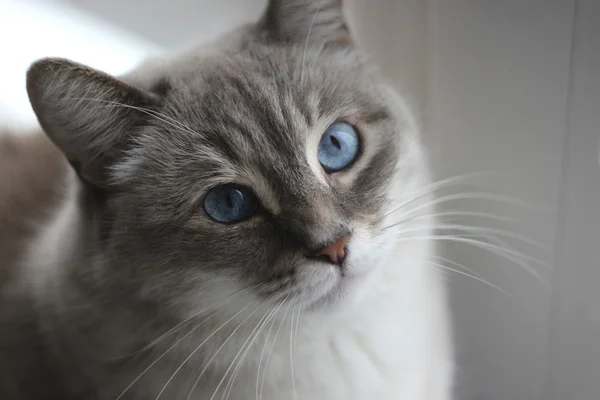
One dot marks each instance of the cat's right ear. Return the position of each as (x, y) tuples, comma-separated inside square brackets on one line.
[(88, 114)]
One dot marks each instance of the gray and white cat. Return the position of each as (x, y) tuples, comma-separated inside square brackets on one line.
[(244, 220)]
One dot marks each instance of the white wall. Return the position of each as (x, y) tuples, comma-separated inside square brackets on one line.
[(574, 349), (516, 90), (499, 104)]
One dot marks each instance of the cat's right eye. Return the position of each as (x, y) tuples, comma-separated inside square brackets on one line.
[(230, 203), (339, 147)]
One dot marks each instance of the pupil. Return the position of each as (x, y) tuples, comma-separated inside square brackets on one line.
[(229, 200), (336, 142)]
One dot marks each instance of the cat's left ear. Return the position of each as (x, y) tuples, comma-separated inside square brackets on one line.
[(307, 22)]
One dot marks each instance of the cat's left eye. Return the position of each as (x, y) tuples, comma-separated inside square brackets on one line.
[(230, 203), (338, 147)]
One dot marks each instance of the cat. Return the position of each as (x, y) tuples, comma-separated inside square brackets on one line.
[(246, 219)]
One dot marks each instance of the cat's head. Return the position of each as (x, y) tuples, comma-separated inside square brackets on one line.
[(266, 163)]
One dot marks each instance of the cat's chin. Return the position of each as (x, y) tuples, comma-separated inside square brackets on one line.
[(342, 296)]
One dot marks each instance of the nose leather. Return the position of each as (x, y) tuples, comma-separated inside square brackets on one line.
[(336, 252)]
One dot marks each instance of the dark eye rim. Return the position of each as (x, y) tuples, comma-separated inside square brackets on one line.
[(359, 151), (256, 207)]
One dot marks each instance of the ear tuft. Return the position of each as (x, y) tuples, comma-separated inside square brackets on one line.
[(88, 114)]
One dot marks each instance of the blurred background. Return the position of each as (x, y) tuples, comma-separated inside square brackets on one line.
[(508, 87)]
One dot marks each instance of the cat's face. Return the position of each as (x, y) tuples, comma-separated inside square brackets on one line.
[(266, 166)]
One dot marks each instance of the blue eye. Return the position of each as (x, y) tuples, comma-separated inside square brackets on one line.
[(338, 147), (230, 203)]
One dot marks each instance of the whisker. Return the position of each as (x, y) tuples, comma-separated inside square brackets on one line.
[(498, 245), (447, 182), (262, 353), (460, 213), (272, 313), (493, 231), (169, 349), (463, 196), (444, 267), (451, 262), (293, 376), (504, 245), (469, 239), (233, 362), (203, 342), (297, 323), (219, 348), (217, 351), (269, 357), (161, 117), (184, 322), (511, 255), (431, 188), (434, 216), (466, 228)]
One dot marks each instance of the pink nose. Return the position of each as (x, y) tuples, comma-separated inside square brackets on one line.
[(336, 252)]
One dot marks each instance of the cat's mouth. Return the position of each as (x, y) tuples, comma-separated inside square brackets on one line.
[(340, 287), (339, 296)]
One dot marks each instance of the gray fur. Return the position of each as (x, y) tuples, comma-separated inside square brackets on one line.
[(148, 145)]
